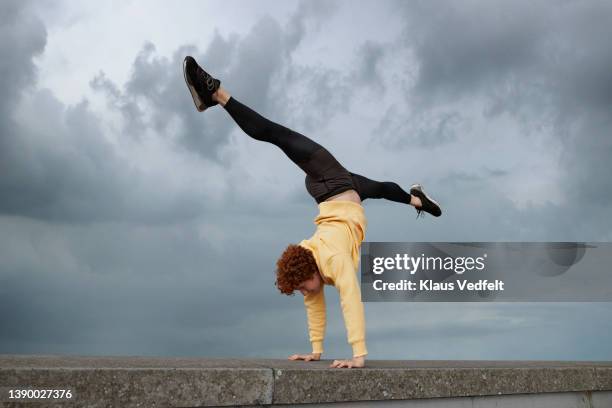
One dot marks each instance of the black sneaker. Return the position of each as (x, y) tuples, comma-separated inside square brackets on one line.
[(428, 205), (200, 84)]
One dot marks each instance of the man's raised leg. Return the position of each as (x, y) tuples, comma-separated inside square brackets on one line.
[(368, 188), (296, 146)]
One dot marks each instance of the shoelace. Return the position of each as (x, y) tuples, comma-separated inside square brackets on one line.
[(419, 212)]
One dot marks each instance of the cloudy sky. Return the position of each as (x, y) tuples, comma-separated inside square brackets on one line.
[(130, 224)]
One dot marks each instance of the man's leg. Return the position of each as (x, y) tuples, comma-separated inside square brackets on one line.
[(389, 190), (368, 188), (323, 172), (325, 176), (297, 147)]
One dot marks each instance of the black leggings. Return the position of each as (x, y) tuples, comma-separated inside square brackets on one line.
[(325, 177)]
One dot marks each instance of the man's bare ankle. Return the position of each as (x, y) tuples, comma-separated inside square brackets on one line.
[(221, 96)]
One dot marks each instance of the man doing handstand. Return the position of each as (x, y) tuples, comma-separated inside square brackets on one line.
[(331, 255)]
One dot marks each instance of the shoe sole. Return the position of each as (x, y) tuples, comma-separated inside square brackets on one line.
[(200, 106), (420, 189)]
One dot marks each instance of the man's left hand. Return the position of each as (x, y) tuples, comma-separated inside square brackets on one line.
[(356, 362)]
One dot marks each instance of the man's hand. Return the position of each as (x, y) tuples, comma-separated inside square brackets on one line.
[(306, 357), (356, 362)]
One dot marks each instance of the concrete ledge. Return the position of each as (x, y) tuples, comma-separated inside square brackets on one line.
[(191, 382)]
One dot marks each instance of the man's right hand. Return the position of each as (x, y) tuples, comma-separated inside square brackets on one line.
[(306, 357)]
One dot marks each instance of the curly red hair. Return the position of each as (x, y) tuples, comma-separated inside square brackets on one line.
[(295, 266)]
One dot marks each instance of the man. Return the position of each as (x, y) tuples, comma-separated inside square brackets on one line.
[(331, 255)]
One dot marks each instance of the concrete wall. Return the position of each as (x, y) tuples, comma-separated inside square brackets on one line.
[(192, 382)]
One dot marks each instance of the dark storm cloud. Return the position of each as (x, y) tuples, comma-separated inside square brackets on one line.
[(547, 65), (521, 48), (498, 328), (314, 12), (106, 286), (22, 36), (55, 162), (133, 115), (60, 167), (370, 70), (398, 130), (119, 288), (459, 49)]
